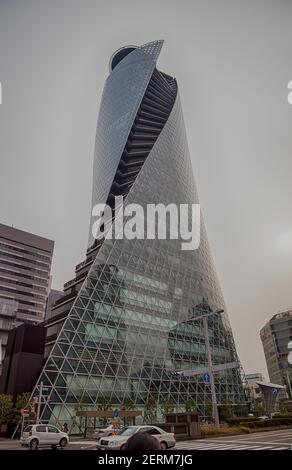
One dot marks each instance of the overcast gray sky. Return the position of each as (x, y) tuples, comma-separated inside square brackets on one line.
[(232, 60)]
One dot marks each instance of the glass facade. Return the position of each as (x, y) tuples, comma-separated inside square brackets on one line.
[(136, 327)]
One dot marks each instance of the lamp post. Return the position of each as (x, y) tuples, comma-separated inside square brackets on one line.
[(204, 318)]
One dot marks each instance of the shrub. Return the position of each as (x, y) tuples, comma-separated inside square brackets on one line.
[(265, 423), (223, 430), (244, 419)]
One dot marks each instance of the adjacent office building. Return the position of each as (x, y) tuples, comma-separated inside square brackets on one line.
[(25, 264), (53, 296), (142, 318), (252, 383), (23, 359), (8, 309), (275, 336)]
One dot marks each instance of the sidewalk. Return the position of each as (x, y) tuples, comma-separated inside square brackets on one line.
[(9, 444)]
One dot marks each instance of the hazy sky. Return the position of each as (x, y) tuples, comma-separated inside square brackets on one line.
[(232, 60)]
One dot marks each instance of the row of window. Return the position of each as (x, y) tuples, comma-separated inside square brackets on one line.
[(20, 301), (26, 294), (132, 296), (44, 266), (46, 258), (20, 266), (25, 276), (138, 278), (23, 284)]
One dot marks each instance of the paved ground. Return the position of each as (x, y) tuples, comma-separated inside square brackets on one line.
[(271, 440)]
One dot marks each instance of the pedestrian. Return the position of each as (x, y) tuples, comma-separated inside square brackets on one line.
[(65, 428)]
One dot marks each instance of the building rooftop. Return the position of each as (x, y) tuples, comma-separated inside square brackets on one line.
[(26, 238)]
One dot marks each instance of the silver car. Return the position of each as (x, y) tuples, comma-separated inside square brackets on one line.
[(106, 431), (118, 442), (36, 435)]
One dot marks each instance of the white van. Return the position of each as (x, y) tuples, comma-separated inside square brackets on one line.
[(36, 435)]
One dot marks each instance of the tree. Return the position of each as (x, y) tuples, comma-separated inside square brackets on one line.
[(226, 410), (209, 409), (283, 407), (128, 405), (242, 409), (167, 406), (104, 405), (6, 408), (190, 406), (79, 420), (257, 408), (150, 410), (22, 401)]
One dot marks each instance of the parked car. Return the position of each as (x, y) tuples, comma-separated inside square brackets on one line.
[(105, 431), (118, 442), (36, 435)]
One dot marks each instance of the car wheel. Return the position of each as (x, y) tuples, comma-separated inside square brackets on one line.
[(63, 442), (163, 445), (123, 447), (33, 444)]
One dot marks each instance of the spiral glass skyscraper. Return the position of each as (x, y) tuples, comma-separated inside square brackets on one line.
[(149, 319)]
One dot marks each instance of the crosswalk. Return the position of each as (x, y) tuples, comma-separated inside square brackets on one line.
[(205, 444), (221, 445)]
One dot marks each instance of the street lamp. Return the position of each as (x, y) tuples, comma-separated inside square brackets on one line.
[(210, 372)]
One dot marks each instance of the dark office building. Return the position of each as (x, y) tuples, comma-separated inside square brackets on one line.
[(23, 360), (25, 265)]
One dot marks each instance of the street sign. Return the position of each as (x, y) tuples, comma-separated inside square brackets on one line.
[(206, 378), (24, 412), (116, 413)]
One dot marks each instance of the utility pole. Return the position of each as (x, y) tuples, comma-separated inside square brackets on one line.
[(289, 383), (210, 371), (39, 403)]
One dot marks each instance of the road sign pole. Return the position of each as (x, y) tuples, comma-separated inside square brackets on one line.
[(39, 403), (289, 383), (210, 367), (22, 425)]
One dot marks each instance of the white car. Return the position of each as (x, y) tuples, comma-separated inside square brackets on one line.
[(36, 435), (105, 431), (118, 442)]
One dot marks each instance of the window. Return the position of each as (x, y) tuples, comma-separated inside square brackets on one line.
[(153, 431), (41, 429), (53, 429), (28, 428)]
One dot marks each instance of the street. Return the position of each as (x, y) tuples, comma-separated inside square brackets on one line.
[(270, 440)]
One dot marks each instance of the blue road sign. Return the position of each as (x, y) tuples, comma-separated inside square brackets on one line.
[(116, 413), (274, 391), (206, 378)]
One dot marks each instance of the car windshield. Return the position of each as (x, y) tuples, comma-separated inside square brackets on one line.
[(129, 431), (28, 428)]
